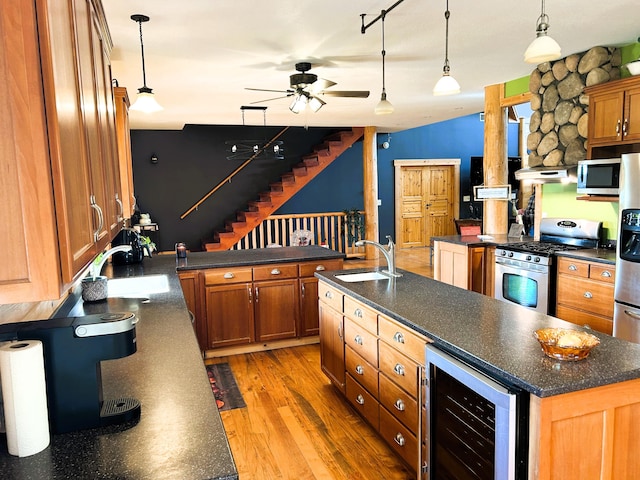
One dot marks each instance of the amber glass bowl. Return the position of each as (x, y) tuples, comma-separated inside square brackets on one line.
[(566, 344)]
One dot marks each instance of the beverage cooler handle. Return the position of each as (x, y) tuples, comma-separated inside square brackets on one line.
[(632, 314)]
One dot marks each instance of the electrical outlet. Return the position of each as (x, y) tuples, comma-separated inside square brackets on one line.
[(379, 202), (466, 198)]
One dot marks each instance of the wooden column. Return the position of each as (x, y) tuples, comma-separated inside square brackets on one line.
[(370, 184), (495, 220)]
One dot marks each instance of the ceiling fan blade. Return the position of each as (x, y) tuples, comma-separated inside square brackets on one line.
[(288, 91), (346, 93), (320, 84), (269, 99)]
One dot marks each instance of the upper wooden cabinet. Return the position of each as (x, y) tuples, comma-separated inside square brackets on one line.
[(61, 189), (614, 113), (123, 137)]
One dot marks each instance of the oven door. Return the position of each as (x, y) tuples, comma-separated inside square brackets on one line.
[(517, 283)]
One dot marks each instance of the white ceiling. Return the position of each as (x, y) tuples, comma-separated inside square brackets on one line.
[(201, 54)]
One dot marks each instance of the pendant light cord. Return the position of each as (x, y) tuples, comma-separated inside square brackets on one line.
[(144, 73), (382, 15), (447, 14)]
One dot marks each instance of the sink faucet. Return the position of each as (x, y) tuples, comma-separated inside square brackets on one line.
[(389, 255), (96, 268)]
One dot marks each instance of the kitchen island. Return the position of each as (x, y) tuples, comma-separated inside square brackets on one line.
[(578, 410)]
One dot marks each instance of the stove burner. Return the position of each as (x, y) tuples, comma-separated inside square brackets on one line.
[(538, 248)]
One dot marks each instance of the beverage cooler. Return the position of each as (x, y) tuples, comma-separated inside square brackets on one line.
[(626, 317)]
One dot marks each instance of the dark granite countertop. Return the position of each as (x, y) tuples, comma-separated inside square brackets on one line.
[(256, 256), (473, 240), (180, 433), (494, 336), (600, 255)]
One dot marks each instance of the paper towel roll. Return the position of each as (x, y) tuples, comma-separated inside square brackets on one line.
[(24, 397)]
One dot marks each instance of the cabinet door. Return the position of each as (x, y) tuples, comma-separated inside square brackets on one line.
[(631, 122), (309, 319), (190, 284), (451, 264), (605, 122), (332, 345), (230, 319), (276, 309), (30, 268), (123, 136)]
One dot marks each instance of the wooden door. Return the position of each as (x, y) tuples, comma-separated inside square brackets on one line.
[(426, 201), (276, 309)]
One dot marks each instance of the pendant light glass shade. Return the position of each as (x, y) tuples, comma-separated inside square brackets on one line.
[(384, 106), (145, 101), (543, 48), (447, 85)]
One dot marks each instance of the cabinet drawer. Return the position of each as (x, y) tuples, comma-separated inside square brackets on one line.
[(582, 318), (573, 267), (365, 316), (402, 338), (402, 441), (309, 268), (401, 405), (362, 371), (585, 294), (602, 272), (275, 272), (400, 369), (363, 342), (363, 402), (330, 296), (221, 276)]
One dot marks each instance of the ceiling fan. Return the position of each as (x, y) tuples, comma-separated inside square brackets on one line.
[(306, 88)]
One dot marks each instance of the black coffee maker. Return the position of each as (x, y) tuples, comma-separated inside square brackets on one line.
[(128, 236), (73, 349)]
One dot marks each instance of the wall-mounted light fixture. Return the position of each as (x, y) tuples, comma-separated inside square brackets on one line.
[(145, 101), (154, 158), (543, 48)]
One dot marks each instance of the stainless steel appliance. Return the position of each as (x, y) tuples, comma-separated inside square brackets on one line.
[(477, 427), (626, 314), (525, 272), (599, 176)]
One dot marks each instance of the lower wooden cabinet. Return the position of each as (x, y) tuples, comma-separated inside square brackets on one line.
[(252, 304), (463, 266), (585, 293), (378, 364)]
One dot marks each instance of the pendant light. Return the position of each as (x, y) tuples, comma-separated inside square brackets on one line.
[(384, 107), (543, 48), (447, 85), (145, 102)]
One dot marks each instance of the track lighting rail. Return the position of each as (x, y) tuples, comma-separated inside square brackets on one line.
[(364, 27)]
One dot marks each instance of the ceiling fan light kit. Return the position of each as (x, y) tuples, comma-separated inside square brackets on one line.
[(145, 101), (543, 48), (447, 85)]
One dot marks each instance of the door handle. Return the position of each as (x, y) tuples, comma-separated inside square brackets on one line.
[(632, 314)]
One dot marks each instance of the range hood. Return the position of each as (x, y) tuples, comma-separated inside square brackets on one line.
[(558, 174)]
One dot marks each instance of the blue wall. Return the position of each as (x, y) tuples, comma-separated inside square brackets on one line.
[(340, 186)]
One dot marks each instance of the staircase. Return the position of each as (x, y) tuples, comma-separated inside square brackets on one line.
[(290, 183)]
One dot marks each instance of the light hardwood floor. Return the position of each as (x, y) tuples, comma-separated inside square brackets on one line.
[(296, 425)]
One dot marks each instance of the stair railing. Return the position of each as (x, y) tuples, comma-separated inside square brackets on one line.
[(326, 229), (233, 174)]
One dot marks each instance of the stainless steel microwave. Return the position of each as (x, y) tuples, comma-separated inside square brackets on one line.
[(599, 177)]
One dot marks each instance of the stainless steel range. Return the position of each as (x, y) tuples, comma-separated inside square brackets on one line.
[(525, 272)]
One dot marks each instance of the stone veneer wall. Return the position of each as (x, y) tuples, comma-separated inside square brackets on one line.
[(558, 125)]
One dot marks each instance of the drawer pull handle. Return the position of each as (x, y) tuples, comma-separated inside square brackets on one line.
[(275, 271), (359, 370), (358, 340), (399, 369), (399, 439), (229, 275), (358, 313), (340, 332), (320, 268), (399, 405), (587, 295), (606, 274), (328, 295), (360, 399), (573, 268), (398, 337)]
